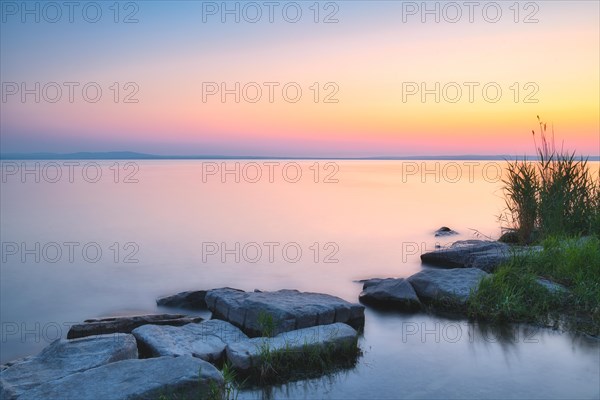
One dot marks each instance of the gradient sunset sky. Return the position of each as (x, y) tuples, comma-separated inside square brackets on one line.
[(367, 60)]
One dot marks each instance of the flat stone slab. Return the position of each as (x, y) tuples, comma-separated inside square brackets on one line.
[(193, 300), (287, 309), (453, 285), (172, 377), (206, 340), (390, 293), (482, 254), (65, 357), (246, 355), (102, 326)]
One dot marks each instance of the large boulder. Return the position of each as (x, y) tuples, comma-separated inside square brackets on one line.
[(65, 357), (193, 300), (261, 313), (483, 254), (172, 377), (249, 354), (108, 325), (205, 340), (390, 293), (450, 286)]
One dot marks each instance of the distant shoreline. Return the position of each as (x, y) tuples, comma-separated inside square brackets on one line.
[(142, 156)]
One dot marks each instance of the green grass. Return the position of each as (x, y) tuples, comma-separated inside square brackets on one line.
[(266, 323), (554, 201), (310, 361), (231, 388), (513, 295), (556, 195), (293, 363)]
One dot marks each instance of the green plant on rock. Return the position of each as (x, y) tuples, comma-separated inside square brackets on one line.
[(311, 359), (266, 323)]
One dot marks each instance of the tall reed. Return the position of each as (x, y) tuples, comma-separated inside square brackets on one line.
[(553, 195)]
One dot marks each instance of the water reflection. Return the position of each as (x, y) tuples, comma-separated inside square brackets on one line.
[(424, 357)]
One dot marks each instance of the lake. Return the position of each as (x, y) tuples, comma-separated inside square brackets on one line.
[(83, 239)]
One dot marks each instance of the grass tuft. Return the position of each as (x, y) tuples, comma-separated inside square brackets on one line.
[(556, 195)]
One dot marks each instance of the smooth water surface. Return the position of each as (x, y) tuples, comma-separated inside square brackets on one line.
[(82, 249)]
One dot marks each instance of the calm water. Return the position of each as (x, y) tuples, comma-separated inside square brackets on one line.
[(83, 245)]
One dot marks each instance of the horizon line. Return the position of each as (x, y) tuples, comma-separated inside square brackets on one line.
[(129, 155)]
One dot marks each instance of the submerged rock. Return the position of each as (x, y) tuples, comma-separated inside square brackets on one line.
[(445, 231), (179, 377), (390, 293), (205, 340), (259, 313), (65, 357), (249, 354), (108, 325), (453, 286), (194, 300)]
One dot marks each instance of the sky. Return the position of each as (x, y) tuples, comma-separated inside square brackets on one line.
[(305, 78)]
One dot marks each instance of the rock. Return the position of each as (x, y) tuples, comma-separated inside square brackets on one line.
[(445, 231), (193, 300), (108, 325), (172, 377), (246, 355), (369, 282), (257, 313), (511, 237), (205, 340), (463, 253), (13, 362), (7, 392), (446, 285), (552, 287), (390, 293), (65, 357), (483, 254)]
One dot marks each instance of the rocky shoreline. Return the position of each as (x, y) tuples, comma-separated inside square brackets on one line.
[(149, 356), (458, 270)]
